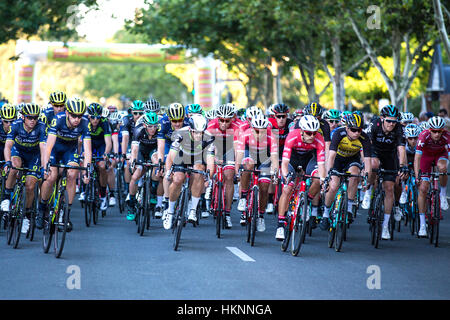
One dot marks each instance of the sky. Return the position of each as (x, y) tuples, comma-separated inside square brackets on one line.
[(100, 25)]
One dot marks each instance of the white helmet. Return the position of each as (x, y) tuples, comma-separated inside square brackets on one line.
[(210, 114), (412, 130), (225, 111), (260, 121), (424, 125), (309, 123), (406, 117), (252, 112), (198, 122), (152, 105), (436, 123)]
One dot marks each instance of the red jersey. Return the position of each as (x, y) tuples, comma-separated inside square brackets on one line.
[(281, 134), (426, 145), (266, 144), (224, 140), (295, 144)]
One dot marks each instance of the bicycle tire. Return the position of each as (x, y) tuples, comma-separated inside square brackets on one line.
[(299, 230), (248, 217), (254, 217), (20, 214), (95, 202), (219, 209), (180, 219), (378, 214), (119, 187), (34, 208), (47, 233), (148, 205), (341, 218), (436, 219), (88, 205), (287, 234), (61, 228), (142, 211)]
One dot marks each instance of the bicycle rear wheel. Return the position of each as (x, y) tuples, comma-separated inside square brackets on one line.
[(299, 230), (254, 216)]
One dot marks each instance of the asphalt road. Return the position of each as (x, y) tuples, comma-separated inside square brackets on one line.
[(111, 261)]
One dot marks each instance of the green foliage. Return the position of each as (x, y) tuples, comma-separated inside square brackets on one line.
[(46, 18)]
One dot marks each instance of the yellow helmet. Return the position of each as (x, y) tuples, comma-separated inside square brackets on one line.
[(58, 97), (8, 112), (76, 106), (176, 111), (31, 109)]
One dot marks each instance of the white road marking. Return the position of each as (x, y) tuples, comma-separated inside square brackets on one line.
[(240, 254)]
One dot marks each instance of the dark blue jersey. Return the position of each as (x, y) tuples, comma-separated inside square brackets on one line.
[(69, 136), (3, 135), (98, 134), (25, 141), (166, 129)]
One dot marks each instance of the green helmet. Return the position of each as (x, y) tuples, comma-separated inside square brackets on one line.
[(137, 105), (194, 108), (333, 114), (150, 118), (344, 116)]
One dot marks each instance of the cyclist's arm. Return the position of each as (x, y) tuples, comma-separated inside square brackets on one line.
[(87, 144), (417, 158), (402, 155), (321, 169), (108, 143), (134, 150), (330, 160), (170, 159), (161, 148), (7, 152), (51, 139), (115, 143), (42, 150), (125, 139)]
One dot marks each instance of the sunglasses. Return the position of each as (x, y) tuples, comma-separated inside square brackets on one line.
[(76, 116), (281, 116), (412, 138), (95, 117), (7, 121), (334, 121), (59, 105), (151, 126), (436, 131), (32, 117), (138, 113), (391, 121), (225, 120), (310, 133), (355, 129), (177, 121)]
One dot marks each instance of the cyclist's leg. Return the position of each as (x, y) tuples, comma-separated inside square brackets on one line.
[(442, 165), (16, 161)]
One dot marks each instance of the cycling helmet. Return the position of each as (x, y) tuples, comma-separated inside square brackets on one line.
[(390, 111), (113, 117), (76, 106), (240, 112), (152, 105), (176, 111), (259, 121), (424, 125), (358, 113), (58, 97), (252, 111), (280, 108), (225, 111), (210, 114), (150, 119), (194, 108), (198, 122), (95, 110), (436, 122), (31, 109), (298, 113), (412, 130), (8, 112), (344, 116), (332, 114), (137, 105), (112, 109), (406, 117), (354, 121), (314, 109), (309, 123)]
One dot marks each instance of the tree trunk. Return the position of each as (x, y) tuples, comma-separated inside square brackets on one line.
[(337, 79), (438, 16)]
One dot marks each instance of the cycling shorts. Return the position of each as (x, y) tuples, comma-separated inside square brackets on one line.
[(64, 154), (342, 164), (263, 165), (30, 160), (307, 160), (388, 161), (427, 160)]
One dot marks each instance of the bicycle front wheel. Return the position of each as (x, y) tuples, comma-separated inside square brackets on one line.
[(219, 209), (180, 219), (378, 214), (61, 220), (299, 230), (88, 205), (254, 217), (341, 225)]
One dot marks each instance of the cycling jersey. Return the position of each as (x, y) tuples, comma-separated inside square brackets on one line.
[(3, 136), (324, 129), (345, 147), (257, 148), (432, 151), (294, 144), (48, 115), (224, 140), (281, 134), (410, 153), (128, 127), (98, 135), (166, 130), (142, 138), (382, 142), (189, 151)]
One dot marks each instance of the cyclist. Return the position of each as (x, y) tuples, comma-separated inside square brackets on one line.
[(333, 117), (258, 146), (226, 129), (152, 105), (114, 123), (345, 156), (61, 146), (192, 146), (411, 132), (406, 118), (8, 114), (317, 111), (388, 151), (143, 149), (100, 132), (304, 147), (24, 148), (194, 109), (129, 122), (175, 119), (432, 147), (58, 103), (280, 128)]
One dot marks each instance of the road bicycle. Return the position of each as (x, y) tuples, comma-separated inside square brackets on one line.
[(339, 215), (410, 207), (55, 226), (120, 186), (92, 200), (376, 210), (181, 207), (217, 203)]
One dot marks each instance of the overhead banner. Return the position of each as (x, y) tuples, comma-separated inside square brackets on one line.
[(115, 53)]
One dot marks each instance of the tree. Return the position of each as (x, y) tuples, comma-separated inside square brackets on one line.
[(46, 18), (439, 17)]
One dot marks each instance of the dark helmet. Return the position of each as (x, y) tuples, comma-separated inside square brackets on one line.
[(95, 110), (280, 108), (354, 120), (390, 111)]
